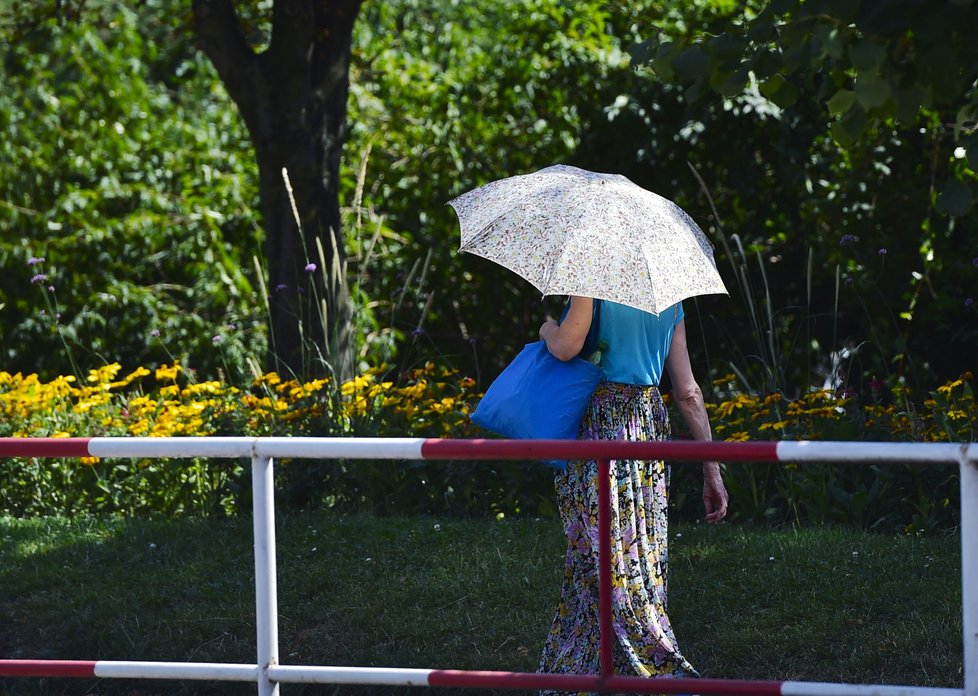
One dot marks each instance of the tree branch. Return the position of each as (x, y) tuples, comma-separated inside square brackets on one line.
[(222, 39)]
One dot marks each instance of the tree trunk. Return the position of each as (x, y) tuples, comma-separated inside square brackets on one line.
[(293, 100)]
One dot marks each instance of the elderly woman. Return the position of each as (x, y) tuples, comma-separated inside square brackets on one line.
[(636, 347)]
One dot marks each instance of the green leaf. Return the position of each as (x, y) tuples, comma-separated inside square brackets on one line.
[(841, 101), (955, 199), (866, 56), (843, 10), (971, 150), (662, 67), (729, 84), (766, 63), (780, 91), (762, 32), (781, 7), (727, 46), (847, 129), (697, 90), (888, 18), (944, 81), (691, 63), (641, 52), (797, 57), (966, 115), (909, 101), (830, 39), (872, 91)]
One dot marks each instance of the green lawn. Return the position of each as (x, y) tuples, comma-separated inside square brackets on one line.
[(807, 604)]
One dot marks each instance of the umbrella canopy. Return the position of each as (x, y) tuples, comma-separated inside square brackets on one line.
[(569, 231)]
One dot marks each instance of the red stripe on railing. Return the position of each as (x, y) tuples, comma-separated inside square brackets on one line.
[(569, 682), (593, 449), (606, 633), (47, 668), (44, 446)]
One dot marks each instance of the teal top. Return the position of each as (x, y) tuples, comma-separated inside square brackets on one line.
[(634, 344)]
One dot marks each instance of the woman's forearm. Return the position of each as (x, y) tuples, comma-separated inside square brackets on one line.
[(692, 408)]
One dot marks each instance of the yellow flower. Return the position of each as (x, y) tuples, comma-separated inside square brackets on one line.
[(358, 383), (130, 378), (315, 385), (727, 408), (211, 387), (142, 406), (270, 378), (106, 373), (168, 374), (89, 461), (139, 427), (416, 390), (87, 404)]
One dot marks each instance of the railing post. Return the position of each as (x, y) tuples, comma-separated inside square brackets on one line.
[(604, 568), (969, 570), (266, 589)]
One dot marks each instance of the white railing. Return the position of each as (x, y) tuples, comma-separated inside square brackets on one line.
[(267, 673)]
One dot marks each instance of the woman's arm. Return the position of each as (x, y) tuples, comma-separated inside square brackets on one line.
[(565, 340), (689, 401)]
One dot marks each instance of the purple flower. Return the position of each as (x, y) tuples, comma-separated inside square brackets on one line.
[(848, 239), (969, 302), (418, 332), (50, 288), (217, 338), (848, 281), (34, 260), (310, 268), (39, 278), (974, 262), (883, 251), (155, 333), (280, 287)]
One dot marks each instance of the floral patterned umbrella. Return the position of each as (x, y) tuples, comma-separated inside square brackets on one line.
[(569, 231)]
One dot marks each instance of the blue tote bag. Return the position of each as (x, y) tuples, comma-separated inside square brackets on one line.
[(539, 397)]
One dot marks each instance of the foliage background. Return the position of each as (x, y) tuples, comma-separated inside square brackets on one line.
[(124, 166), (123, 154)]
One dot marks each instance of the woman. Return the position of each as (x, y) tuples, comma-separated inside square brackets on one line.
[(635, 346)]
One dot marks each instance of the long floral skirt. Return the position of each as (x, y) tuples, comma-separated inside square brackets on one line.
[(644, 641)]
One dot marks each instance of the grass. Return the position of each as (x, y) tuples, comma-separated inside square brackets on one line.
[(823, 604)]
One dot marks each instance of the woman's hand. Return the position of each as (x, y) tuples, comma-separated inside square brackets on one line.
[(549, 328), (715, 496)]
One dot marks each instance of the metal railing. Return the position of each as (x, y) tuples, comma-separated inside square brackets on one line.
[(268, 673)]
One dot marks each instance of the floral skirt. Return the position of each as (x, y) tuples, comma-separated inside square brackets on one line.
[(644, 641)]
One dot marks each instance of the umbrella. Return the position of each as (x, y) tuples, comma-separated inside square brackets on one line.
[(569, 231)]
